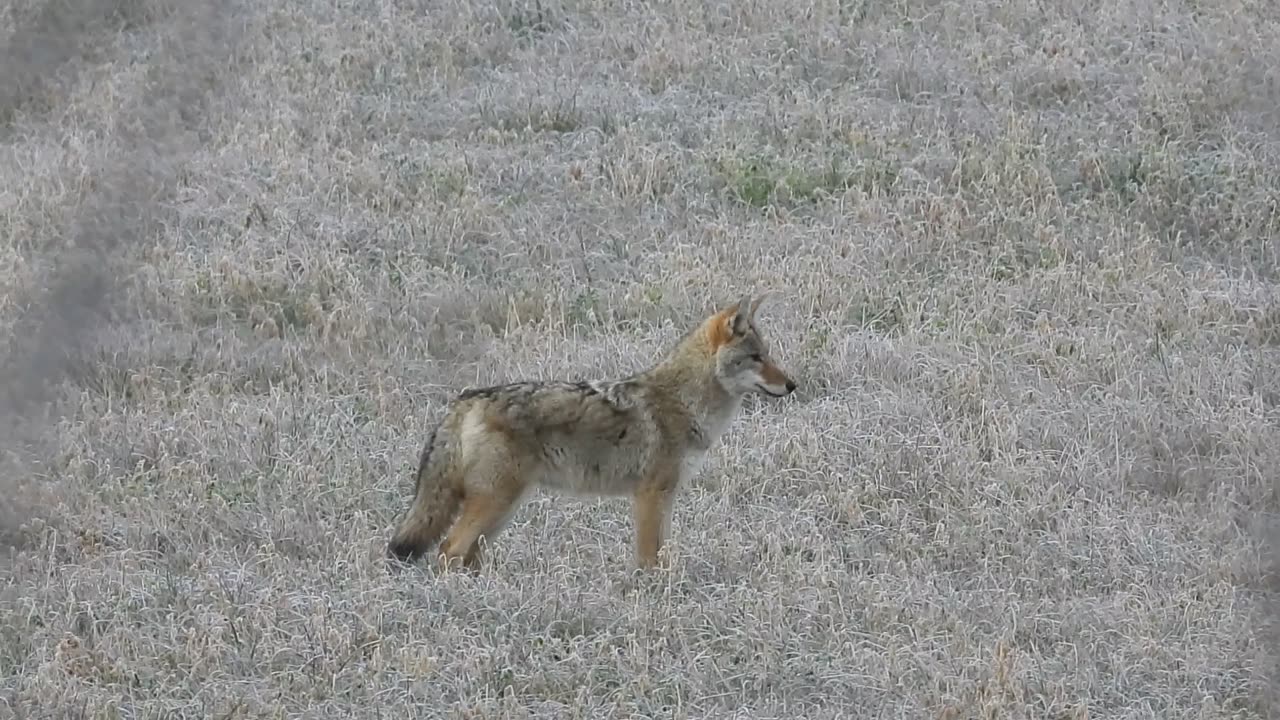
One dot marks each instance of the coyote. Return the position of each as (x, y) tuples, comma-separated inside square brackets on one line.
[(641, 436)]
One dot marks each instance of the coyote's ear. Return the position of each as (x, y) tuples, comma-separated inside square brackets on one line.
[(756, 305), (741, 316)]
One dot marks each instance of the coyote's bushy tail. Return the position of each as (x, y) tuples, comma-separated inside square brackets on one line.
[(435, 503)]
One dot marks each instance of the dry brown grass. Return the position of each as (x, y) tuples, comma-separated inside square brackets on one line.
[(1028, 278)]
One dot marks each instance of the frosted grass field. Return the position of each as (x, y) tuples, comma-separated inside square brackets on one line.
[(1025, 269)]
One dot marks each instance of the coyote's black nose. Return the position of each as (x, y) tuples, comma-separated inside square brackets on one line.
[(791, 386)]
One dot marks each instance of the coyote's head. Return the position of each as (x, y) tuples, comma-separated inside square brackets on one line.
[(742, 362)]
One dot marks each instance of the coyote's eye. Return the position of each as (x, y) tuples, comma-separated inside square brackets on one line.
[(756, 358)]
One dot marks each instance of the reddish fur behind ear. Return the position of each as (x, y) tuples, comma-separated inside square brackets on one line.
[(720, 327)]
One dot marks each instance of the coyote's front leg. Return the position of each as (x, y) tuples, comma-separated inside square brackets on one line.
[(651, 507)]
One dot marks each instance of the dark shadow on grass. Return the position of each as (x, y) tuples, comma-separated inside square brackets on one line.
[(121, 213)]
